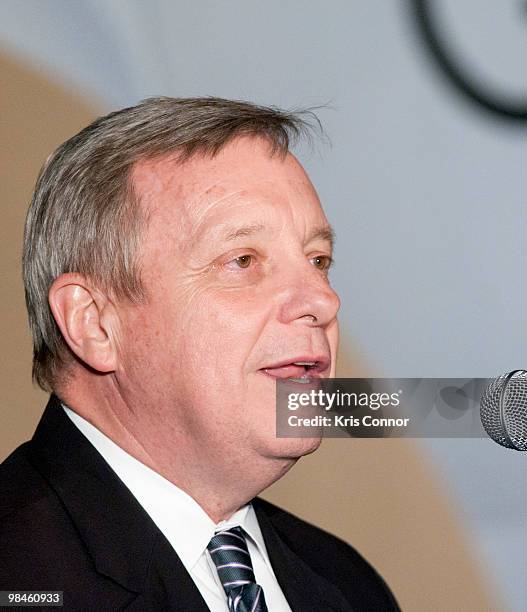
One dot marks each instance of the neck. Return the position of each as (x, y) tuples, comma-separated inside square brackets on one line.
[(219, 486)]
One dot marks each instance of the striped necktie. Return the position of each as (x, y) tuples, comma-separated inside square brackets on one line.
[(228, 550)]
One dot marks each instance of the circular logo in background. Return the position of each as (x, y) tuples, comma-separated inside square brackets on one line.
[(481, 47)]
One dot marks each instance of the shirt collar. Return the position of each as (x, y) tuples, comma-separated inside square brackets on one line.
[(179, 517), (245, 518)]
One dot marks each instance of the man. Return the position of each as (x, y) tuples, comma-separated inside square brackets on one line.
[(176, 264)]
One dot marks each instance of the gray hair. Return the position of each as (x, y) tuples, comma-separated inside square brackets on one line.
[(84, 216)]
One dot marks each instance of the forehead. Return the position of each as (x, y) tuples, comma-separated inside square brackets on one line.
[(243, 180)]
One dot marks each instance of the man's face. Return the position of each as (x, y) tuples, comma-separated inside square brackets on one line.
[(234, 262)]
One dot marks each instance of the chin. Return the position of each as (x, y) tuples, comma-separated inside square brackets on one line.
[(291, 449), (306, 446)]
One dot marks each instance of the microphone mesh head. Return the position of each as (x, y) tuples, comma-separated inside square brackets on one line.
[(503, 410)]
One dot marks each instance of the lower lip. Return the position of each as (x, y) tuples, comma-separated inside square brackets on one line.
[(303, 381)]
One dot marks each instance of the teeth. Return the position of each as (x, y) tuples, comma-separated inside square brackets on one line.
[(304, 380), (304, 363)]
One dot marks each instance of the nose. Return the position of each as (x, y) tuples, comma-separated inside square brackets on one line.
[(308, 298)]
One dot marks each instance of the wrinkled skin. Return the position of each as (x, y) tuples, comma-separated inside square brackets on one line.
[(234, 262)]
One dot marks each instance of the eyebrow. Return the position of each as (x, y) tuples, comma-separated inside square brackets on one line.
[(242, 232), (324, 232)]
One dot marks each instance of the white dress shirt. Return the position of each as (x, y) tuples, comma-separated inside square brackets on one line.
[(185, 524)]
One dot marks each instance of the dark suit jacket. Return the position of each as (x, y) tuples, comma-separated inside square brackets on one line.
[(68, 523)]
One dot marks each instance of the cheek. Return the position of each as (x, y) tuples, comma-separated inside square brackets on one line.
[(221, 329), (142, 353)]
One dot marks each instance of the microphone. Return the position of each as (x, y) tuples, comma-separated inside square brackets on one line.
[(503, 410)]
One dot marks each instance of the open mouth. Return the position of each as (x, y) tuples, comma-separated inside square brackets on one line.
[(298, 370)]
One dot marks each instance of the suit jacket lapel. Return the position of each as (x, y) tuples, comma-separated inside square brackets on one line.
[(121, 538), (303, 588), (127, 546)]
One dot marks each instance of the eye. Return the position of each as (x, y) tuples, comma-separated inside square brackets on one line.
[(244, 261), (322, 262)]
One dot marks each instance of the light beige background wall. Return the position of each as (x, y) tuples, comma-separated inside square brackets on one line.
[(380, 495), (35, 117)]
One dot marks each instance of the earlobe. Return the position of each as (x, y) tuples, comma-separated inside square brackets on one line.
[(81, 311)]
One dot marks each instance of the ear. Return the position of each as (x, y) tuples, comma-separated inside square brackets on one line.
[(87, 319)]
